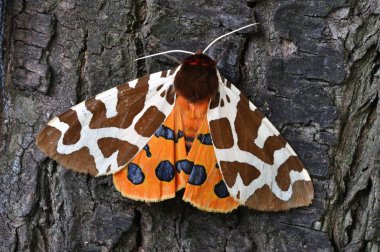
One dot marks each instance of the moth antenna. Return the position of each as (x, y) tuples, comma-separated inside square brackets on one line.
[(172, 58), (170, 51), (224, 52), (229, 33)]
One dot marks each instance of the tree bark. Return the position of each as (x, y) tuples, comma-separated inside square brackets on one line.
[(311, 66)]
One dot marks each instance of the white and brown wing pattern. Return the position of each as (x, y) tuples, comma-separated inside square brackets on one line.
[(258, 166), (101, 135)]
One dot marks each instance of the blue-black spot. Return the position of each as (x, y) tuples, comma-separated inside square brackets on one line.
[(168, 133), (135, 174), (198, 175), (185, 165), (205, 139), (180, 134), (164, 132), (220, 190), (165, 171), (148, 153), (217, 166)]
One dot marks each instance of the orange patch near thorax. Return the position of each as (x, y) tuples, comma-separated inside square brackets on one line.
[(192, 115)]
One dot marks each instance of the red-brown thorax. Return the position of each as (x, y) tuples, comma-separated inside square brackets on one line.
[(197, 79)]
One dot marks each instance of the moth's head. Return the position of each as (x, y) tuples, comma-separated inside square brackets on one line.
[(199, 60), (197, 78)]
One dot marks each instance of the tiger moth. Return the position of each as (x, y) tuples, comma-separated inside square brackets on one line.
[(187, 128)]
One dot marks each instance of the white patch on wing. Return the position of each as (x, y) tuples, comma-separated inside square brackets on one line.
[(235, 190), (268, 172), (266, 130), (90, 137), (133, 83), (55, 122), (109, 99), (303, 175), (252, 107)]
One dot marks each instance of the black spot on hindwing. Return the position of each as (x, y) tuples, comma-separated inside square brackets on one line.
[(147, 151), (165, 171), (184, 165), (135, 174), (168, 133), (220, 190), (179, 135), (205, 139), (198, 175)]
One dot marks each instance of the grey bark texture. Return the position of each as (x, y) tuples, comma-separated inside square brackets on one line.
[(311, 66)]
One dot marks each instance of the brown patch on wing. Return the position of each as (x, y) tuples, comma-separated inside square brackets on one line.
[(265, 200), (215, 100), (283, 175), (79, 161), (221, 133), (126, 150), (247, 124), (228, 84), (130, 102), (72, 135), (247, 172), (150, 121), (164, 73), (170, 95), (159, 87)]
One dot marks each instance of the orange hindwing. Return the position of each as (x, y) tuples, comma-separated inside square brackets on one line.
[(164, 166)]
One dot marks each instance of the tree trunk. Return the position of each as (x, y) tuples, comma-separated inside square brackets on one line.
[(311, 66)]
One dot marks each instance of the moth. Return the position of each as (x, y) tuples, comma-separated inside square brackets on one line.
[(187, 128)]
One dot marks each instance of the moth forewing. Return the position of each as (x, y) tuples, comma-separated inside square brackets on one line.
[(101, 135), (259, 167)]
